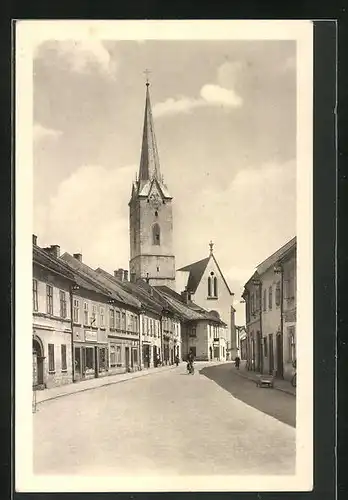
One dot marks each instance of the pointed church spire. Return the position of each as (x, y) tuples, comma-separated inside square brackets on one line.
[(149, 161)]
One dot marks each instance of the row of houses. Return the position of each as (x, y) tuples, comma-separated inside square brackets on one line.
[(268, 344), (89, 323)]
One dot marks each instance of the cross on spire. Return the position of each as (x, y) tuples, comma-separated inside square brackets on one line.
[(211, 245), (146, 73)]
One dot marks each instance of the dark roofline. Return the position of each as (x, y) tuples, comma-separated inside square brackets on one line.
[(293, 240), (62, 270)]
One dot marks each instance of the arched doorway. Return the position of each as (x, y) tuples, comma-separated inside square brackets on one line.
[(38, 360)]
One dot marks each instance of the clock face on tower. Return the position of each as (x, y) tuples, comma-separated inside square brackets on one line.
[(155, 200)]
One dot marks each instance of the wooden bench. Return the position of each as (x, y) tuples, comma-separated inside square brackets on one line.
[(266, 380)]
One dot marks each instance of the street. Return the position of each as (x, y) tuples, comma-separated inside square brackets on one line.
[(168, 423), (278, 404)]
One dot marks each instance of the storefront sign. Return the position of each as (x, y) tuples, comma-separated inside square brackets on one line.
[(91, 335)]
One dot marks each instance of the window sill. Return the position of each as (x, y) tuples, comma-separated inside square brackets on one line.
[(77, 324), (51, 373), (212, 298), (103, 328), (65, 371)]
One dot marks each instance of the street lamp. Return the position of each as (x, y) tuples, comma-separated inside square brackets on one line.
[(278, 269), (258, 283)]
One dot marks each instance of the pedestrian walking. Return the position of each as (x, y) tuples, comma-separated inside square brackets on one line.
[(237, 362), (177, 360)]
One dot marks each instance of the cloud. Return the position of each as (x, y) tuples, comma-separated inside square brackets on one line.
[(89, 213), (40, 132), (210, 95), (81, 56), (221, 94)]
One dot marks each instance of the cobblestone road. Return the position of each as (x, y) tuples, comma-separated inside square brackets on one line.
[(170, 423)]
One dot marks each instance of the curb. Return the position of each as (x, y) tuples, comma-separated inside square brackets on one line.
[(84, 389), (274, 387)]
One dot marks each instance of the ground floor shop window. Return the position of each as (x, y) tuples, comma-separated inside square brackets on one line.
[(216, 352), (103, 365), (118, 356), (89, 362), (135, 356)]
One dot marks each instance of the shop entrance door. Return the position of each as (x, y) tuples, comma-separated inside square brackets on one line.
[(96, 362), (127, 358)]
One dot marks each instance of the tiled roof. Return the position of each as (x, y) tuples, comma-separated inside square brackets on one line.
[(83, 279), (40, 256), (276, 256), (196, 272), (186, 312), (134, 291), (190, 311)]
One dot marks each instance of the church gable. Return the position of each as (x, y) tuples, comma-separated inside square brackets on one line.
[(212, 284)]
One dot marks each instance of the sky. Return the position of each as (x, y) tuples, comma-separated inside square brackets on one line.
[(225, 123)]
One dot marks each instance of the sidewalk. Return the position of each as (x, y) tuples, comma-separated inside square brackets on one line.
[(94, 383), (280, 385)]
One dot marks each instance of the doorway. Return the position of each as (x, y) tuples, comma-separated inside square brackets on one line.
[(271, 353), (38, 372), (127, 358), (211, 353), (279, 356)]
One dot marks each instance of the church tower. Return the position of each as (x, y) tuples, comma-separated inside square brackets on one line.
[(150, 215)]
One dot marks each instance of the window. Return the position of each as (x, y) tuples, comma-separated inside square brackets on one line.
[(265, 347), (151, 327), (63, 357), (35, 297), (209, 286), (94, 316), (112, 355), (123, 325), (156, 234), (85, 313), (277, 294), (76, 311), (51, 357), (102, 324), (215, 287), (112, 318), (264, 300), (62, 301), (118, 320), (49, 299), (270, 297), (252, 303)]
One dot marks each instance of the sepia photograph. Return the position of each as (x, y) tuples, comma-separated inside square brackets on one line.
[(164, 240)]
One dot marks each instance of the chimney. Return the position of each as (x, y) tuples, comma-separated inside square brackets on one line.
[(185, 296), (119, 274), (34, 239), (78, 256), (55, 251), (125, 275), (133, 277)]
